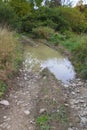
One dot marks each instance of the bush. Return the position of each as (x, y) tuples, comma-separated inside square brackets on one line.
[(46, 17), (80, 53), (43, 32), (7, 15), (74, 17), (56, 38)]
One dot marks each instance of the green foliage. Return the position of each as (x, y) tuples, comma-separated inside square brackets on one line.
[(38, 2), (7, 14), (18, 58), (42, 122), (77, 44), (21, 15), (51, 17), (56, 38), (2, 88), (43, 32), (60, 19), (81, 56), (21, 7), (62, 116), (74, 17)]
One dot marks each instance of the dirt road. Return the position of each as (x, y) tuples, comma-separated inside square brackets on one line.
[(41, 102)]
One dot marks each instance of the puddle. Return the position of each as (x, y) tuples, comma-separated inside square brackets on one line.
[(40, 57)]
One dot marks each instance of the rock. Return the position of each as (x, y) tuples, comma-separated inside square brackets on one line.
[(66, 86), (44, 77), (4, 117), (78, 91), (73, 128), (8, 127), (32, 122), (27, 112), (25, 78), (70, 124), (73, 93), (70, 128), (4, 102), (77, 119), (42, 110), (83, 113), (81, 101), (73, 84), (83, 120), (66, 105)]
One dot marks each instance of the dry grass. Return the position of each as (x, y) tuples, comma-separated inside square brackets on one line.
[(8, 54)]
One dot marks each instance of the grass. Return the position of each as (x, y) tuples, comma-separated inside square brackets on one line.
[(2, 88), (78, 47), (10, 54), (44, 121), (62, 116)]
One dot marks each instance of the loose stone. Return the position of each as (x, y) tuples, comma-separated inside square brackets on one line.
[(4, 102)]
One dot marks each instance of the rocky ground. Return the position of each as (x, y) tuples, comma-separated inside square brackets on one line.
[(38, 101), (77, 95), (17, 110)]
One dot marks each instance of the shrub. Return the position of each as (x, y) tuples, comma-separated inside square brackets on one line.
[(43, 32), (7, 15), (74, 17), (56, 38)]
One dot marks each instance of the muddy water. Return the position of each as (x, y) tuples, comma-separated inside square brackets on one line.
[(40, 57)]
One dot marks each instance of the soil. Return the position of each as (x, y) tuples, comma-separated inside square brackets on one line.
[(38, 95)]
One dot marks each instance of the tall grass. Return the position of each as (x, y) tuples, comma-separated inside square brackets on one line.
[(10, 53), (77, 45)]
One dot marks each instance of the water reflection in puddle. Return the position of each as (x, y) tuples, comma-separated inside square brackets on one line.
[(42, 57), (61, 68)]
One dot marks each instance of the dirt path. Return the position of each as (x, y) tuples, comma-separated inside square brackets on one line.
[(19, 115), (40, 102)]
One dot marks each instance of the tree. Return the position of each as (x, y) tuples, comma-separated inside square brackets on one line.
[(66, 2), (55, 3), (38, 2), (80, 5), (35, 2), (21, 7), (52, 3)]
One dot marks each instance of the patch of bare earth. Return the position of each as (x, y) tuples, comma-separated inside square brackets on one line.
[(19, 113)]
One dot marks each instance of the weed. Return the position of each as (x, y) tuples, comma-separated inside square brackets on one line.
[(42, 122), (2, 88), (62, 116)]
